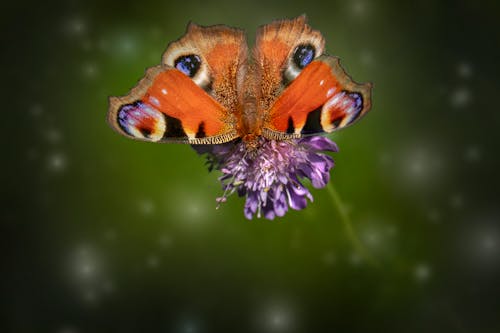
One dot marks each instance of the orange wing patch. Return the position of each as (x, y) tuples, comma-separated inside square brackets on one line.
[(175, 95), (168, 106), (323, 98)]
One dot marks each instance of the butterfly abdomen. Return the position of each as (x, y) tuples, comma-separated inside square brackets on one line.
[(250, 123)]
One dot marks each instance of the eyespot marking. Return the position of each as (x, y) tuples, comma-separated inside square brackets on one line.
[(303, 55), (356, 106), (336, 122), (188, 64), (141, 120)]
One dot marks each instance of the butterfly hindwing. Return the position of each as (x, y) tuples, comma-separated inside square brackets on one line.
[(219, 54), (322, 98), (280, 51)]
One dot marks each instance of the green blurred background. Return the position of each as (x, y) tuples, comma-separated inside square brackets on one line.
[(104, 234)]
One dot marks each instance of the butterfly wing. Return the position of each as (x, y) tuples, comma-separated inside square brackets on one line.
[(167, 106), (303, 91), (274, 51), (192, 96), (323, 98)]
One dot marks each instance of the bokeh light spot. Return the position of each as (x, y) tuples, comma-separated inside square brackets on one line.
[(57, 162), (422, 272), (460, 97)]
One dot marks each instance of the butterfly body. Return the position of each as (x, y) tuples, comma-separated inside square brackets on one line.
[(210, 89)]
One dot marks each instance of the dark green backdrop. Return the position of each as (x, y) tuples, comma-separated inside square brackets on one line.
[(104, 234)]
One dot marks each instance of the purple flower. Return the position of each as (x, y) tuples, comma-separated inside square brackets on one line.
[(268, 173)]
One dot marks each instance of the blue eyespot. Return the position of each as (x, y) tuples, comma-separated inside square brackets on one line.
[(188, 64), (357, 106), (357, 100), (303, 55)]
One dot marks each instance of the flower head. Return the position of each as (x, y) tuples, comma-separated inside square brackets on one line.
[(268, 173)]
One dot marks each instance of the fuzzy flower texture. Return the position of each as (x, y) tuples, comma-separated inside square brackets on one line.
[(269, 173)]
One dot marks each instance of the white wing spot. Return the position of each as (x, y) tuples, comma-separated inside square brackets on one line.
[(330, 92), (154, 101)]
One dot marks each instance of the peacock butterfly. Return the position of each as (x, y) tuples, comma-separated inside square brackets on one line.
[(209, 89)]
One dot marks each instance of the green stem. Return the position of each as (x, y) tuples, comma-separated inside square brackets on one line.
[(346, 221)]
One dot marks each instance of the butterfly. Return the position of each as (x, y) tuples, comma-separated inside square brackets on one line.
[(210, 89)]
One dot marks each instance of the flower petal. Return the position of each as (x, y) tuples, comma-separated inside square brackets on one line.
[(319, 143), (297, 196), (251, 205), (269, 176), (280, 206)]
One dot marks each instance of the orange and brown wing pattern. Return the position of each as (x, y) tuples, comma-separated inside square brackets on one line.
[(167, 106), (323, 98), (220, 54), (193, 96), (280, 51)]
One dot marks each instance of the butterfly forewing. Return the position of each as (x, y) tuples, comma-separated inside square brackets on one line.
[(167, 106), (322, 98)]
